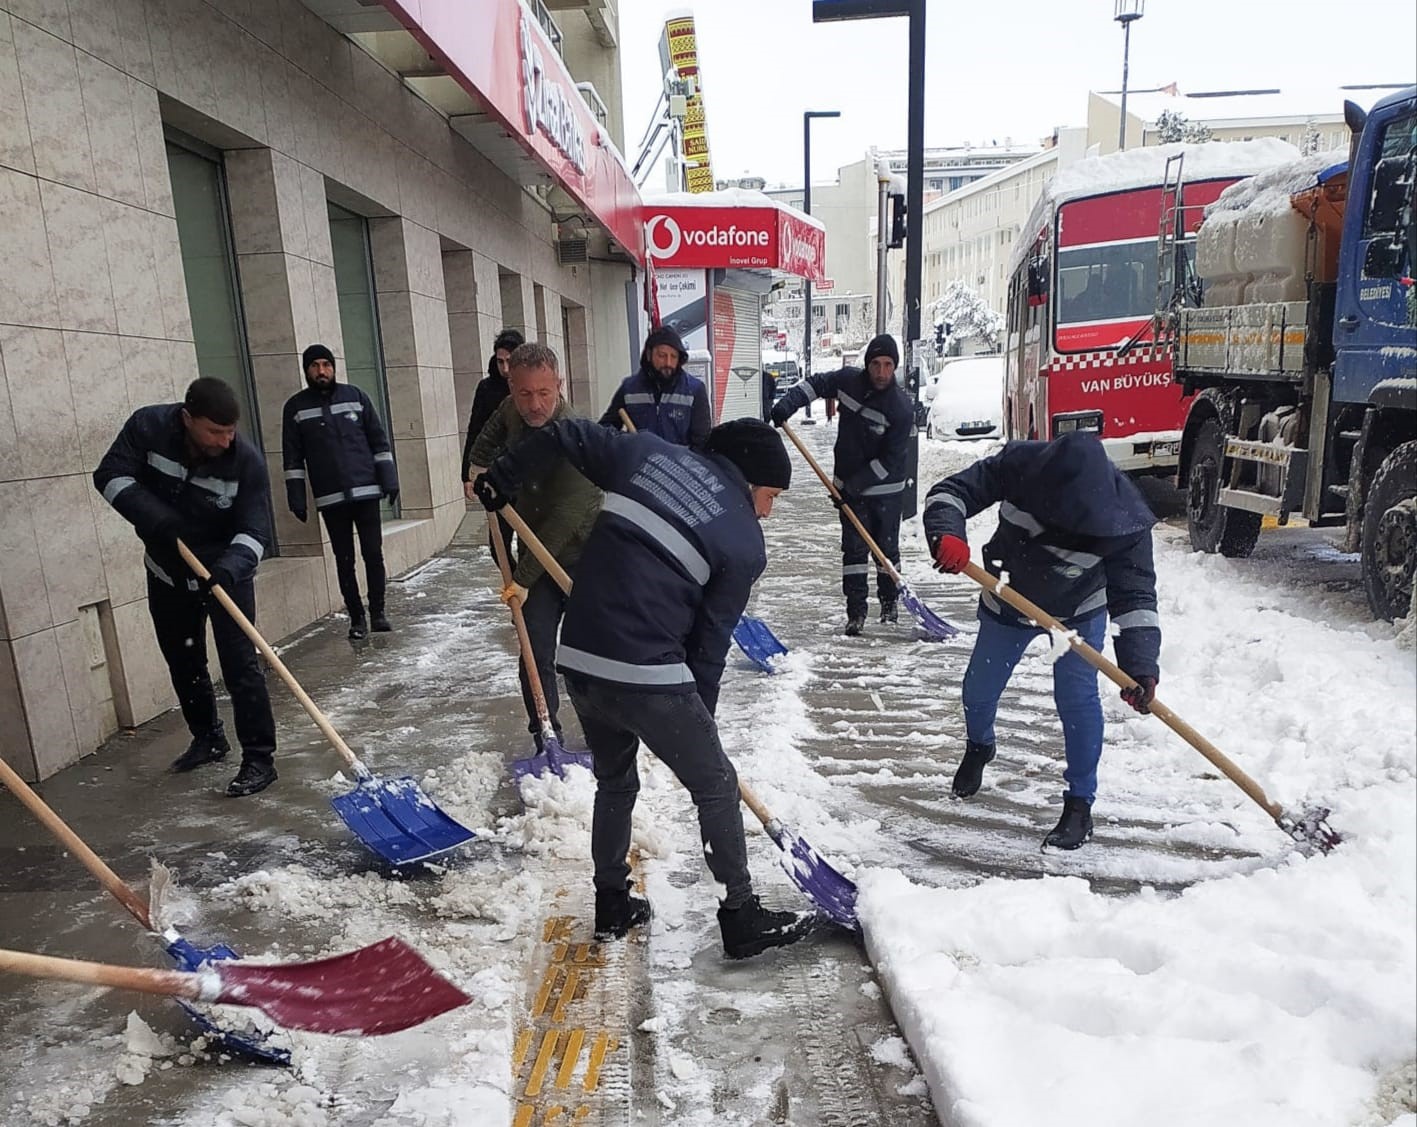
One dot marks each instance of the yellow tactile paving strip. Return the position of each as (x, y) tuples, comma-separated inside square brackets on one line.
[(562, 1048)]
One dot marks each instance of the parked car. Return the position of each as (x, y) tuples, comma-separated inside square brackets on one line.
[(967, 399), (782, 366)]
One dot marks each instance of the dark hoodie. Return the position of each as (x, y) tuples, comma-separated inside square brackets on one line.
[(676, 409), (489, 395), (1074, 536)]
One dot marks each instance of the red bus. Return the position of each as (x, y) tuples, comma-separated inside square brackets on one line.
[(1084, 284)]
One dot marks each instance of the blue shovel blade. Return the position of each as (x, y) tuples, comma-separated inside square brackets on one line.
[(554, 759), (933, 625), (252, 1045), (395, 819), (756, 640)]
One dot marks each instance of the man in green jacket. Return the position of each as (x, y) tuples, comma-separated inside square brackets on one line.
[(560, 507)]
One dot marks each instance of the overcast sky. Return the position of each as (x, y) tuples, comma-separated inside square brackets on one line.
[(996, 68)]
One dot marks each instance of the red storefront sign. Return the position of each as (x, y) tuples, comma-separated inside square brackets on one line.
[(720, 237), (497, 51)]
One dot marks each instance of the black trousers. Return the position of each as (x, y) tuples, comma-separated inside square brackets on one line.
[(881, 516), (542, 611), (679, 730), (342, 521), (180, 620)]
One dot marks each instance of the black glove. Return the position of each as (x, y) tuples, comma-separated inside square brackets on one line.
[(391, 496), (166, 530), (1142, 694), (489, 491), (301, 514), (781, 412), (219, 577)]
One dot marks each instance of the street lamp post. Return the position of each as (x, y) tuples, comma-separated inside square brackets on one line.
[(1126, 13), (807, 117)]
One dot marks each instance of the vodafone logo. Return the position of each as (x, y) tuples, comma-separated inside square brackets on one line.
[(666, 236)]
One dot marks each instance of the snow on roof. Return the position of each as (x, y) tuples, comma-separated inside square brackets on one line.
[(1319, 102), (1269, 192), (727, 197), (1145, 167)]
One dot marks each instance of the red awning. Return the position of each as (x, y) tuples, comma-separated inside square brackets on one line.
[(498, 53), (733, 229)]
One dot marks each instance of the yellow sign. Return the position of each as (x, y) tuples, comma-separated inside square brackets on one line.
[(680, 45)]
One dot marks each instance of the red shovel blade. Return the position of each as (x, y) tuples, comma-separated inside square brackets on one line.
[(382, 988)]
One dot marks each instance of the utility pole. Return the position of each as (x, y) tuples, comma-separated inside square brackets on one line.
[(807, 119)]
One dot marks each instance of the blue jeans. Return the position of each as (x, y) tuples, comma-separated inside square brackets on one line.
[(997, 650)]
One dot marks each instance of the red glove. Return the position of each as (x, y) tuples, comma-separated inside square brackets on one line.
[(1141, 696), (951, 554)]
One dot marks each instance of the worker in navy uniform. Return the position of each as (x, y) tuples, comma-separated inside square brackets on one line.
[(661, 397), (180, 471), (1074, 536), (871, 455), (332, 440), (663, 578)]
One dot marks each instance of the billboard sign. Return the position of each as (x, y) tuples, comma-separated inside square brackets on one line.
[(727, 237)]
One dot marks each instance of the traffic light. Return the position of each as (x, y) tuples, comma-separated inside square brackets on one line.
[(897, 221), (939, 338)]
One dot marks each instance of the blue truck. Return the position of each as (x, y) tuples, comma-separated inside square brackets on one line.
[(1293, 328)]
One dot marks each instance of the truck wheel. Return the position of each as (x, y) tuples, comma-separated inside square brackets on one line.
[(1213, 527), (1390, 534)]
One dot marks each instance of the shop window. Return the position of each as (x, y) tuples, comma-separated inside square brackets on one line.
[(209, 267), (359, 314)]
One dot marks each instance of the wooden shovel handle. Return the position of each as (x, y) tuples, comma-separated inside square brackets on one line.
[(533, 679), (200, 571), (538, 549), (1031, 610), (173, 983), (629, 423), (548, 561), (881, 559), (75, 845)]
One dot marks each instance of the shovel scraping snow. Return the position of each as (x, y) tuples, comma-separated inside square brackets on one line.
[(393, 817)]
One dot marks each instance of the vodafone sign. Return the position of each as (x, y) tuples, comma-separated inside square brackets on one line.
[(746, 238)]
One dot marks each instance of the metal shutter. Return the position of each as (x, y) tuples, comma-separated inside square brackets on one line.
[(743, 396)]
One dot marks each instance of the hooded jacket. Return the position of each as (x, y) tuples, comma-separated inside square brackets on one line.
[(222, 504), (678, 411), (1074, 536), (335, 439), (490, 393), (668, 566), (558, 503)]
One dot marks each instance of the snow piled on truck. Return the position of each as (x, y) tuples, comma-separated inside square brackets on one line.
[(1269, 192)]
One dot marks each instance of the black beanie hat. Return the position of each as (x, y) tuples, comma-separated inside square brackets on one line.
[(313, 353), (755, 448), (883, 345), (509, 339)]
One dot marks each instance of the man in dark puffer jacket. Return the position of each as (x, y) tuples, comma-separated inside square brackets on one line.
[(486, 399), (1074, 536)]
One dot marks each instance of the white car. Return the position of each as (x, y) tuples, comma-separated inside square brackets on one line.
[(967, 399)]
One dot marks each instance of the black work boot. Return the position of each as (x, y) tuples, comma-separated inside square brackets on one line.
[(970, 772), (616, 912), (1074, 828), (251, 779), (203, 749), (378, 621), (751, 929), (358, 627), (889, 612), (855, 620)]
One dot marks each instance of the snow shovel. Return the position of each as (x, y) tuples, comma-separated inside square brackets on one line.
[(393, 817), (833, 893), (553, 756), (935, 627), (1308, 827), (382, 988), (183, 952), (753, 636)]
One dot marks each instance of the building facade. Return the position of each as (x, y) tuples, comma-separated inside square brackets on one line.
[(206, 188)]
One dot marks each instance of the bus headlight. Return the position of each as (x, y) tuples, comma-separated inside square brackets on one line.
[(1077, 420)]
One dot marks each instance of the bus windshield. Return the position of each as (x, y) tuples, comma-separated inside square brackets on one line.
[(1107, 282)]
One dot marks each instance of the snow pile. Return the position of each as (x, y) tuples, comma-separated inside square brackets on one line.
[(1278, 993), (1268, 192)]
